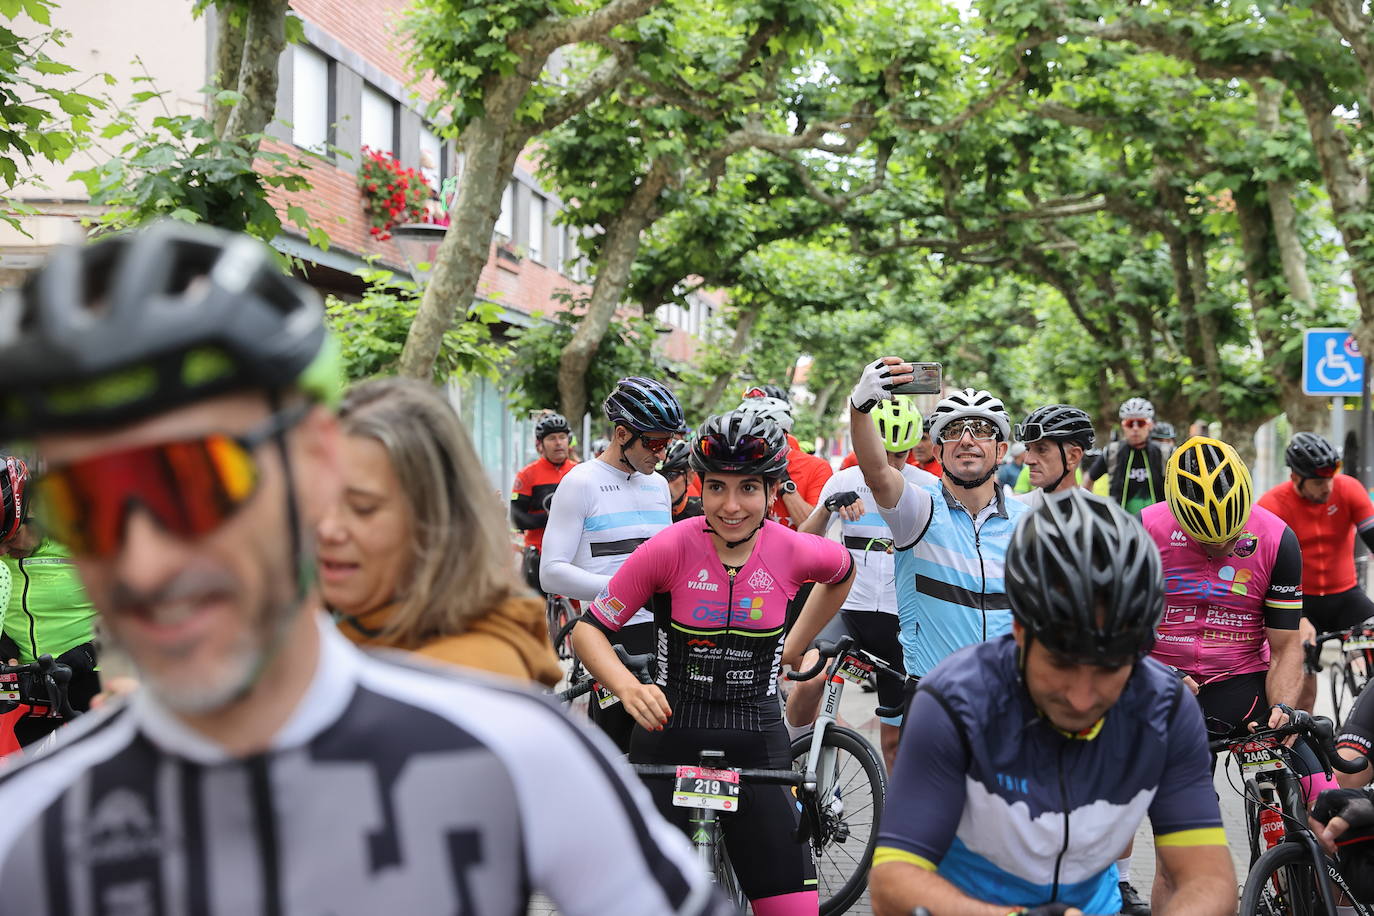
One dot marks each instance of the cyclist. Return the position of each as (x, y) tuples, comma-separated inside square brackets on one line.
[(805, 475), (49, 613), (950, 537), (1008, 471), (606, 508), (599, 446), (767, 391), (1056, 438), (978, 818), (172, 378), (870, 612), (721, 640), (1233, 592), (676, 470), (1163, 435), (1325, 509), (1133, 464), (923, 452), (535, 484)]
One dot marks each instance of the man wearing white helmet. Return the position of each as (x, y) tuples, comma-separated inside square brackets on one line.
[(1134, 463), (950, 536), (806, 475)]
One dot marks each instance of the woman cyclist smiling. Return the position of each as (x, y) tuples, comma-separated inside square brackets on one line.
[(721, 640)]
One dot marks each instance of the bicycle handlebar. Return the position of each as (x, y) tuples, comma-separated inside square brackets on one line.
[(1319, 729), (763, 777), (43, 674), (828, 651), (641, 666)]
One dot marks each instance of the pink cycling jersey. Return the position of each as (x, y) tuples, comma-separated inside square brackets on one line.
[(1216, 610), (720, 632)]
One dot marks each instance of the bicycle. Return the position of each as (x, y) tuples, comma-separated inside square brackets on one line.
[(1291, 875), (842, 768), (560, 613), (1347, 677)]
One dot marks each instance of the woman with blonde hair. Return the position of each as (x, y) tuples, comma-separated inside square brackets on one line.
[(415, 555)]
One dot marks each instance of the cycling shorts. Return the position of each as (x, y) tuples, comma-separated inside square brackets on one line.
[(1229, 705), (760, 836), (529, 565), (1340, 611)]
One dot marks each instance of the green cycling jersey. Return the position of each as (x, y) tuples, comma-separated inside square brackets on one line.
[(48, 611)]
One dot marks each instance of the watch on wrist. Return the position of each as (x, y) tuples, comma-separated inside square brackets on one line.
[(788, 486)]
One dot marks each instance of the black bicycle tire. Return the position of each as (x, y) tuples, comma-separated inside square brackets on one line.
[(861, 750), (562, 638), (1283, 855), (1252, 828), (1341, 682)]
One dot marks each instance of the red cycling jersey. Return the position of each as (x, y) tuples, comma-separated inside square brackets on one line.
[(533, 486), (809, 473), (1326, 531)]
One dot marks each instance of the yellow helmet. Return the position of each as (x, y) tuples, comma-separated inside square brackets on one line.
[(1209, 490)]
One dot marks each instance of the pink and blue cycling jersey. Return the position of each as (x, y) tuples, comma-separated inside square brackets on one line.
[(1217, 609), (719, 630)]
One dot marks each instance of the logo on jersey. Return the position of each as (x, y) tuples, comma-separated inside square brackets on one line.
[(1245, 547), (1237, 577), (701, 643), (1203, 588), (1178, 538), (122, 829), (1218, 616), (739, 676), (712, 613), (1331, 509), (760, 581), (752, 607), (1177, 616), (700, 583), (519, 484)]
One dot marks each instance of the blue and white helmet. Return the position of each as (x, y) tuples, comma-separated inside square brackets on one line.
[(644, 405)]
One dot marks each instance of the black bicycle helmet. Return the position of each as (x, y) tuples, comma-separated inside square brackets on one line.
[(146, 321), (1084, 578), (551, 423), (644, 405), (740, 442), (14, 485), (1308, 452), (1163, 430), (677, 458), (1059, 422)]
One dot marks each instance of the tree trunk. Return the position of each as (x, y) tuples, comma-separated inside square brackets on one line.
[(492, 143), (822, 405), (1348, 190), (259, 42), (744, 329), (618, 254)]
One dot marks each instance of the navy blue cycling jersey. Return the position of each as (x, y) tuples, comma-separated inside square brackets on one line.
[(1013, 811)]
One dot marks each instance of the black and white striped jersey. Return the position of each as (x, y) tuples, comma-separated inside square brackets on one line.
[(392, 788)]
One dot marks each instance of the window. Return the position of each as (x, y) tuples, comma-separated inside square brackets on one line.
[(378, 121), (431, 158), (505, 222), (536, 240), (309, 98)]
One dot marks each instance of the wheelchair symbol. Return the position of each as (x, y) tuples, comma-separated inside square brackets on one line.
[(1334, 369)]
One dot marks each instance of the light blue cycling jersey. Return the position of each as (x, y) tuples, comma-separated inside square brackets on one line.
[(950, 590)]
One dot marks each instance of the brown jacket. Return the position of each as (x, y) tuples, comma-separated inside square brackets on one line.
[(513, 640)]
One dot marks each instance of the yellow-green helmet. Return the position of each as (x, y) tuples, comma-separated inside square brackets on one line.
[(898, 422), (1209, 490)]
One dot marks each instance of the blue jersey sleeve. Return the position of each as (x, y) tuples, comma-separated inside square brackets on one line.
[(1185, 811), (925, 798)]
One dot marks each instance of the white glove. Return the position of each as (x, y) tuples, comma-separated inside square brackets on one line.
[(876, 384)]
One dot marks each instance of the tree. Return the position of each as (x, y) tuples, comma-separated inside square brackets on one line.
[(38, 118), (492, 59)]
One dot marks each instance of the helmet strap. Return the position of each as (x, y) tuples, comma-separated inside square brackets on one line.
[(967, 484), (731, 545), (1064, 463)]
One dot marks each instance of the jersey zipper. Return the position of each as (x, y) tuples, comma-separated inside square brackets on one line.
[(1063, 801), (24, 601), (729, 598), (983, 573)]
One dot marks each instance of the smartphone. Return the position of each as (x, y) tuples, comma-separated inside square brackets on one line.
[(928, 379)]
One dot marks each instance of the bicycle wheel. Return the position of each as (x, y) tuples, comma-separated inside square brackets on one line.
[(1252, 827), (849, 822), (1344, 687), (1283, 883), (561, 616)]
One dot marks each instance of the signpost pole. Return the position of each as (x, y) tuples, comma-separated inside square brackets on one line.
[(1338, 422)]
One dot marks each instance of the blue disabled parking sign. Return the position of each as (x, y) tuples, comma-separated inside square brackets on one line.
[(1331, 363)]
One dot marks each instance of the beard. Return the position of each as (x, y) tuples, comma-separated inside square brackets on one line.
[(174, 677)]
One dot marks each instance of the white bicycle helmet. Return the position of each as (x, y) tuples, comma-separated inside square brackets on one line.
[(1137, 407), (775, 409), (970, 403)]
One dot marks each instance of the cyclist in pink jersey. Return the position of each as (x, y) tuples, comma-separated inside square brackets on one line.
[(1232, 600), (1233, 589), (719, 587)]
